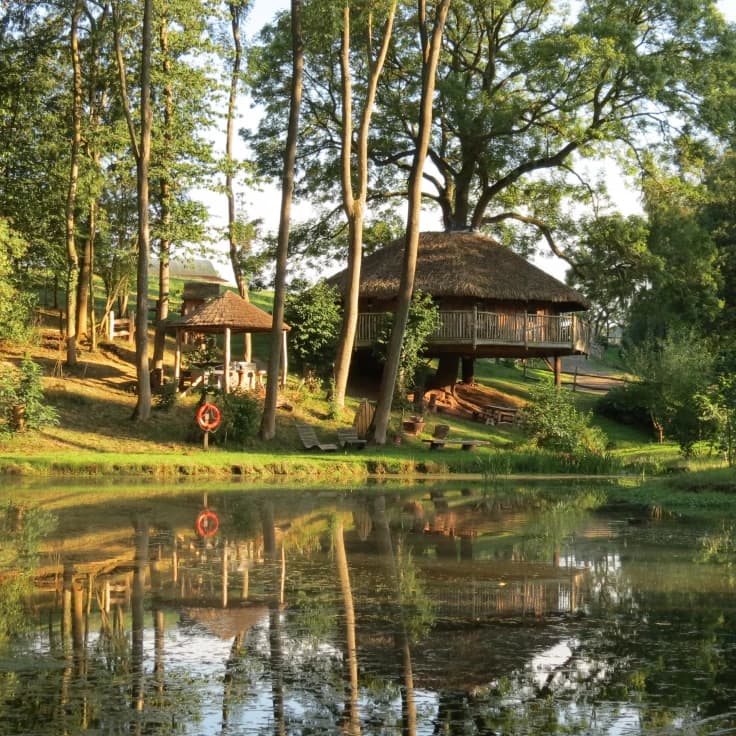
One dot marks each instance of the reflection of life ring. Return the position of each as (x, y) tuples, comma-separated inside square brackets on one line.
[(207, 523), (208, 417)]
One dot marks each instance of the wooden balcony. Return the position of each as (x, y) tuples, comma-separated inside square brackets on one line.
[(487, 332)]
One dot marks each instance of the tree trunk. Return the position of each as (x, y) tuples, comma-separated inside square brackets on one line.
[(468, 370), (431, 50), (235, 18), (85, 281), (71, 198), (446, 375), (268, 421), (354, 203), (142, 411), (162, 310)]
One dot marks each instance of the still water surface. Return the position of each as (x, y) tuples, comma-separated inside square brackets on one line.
[(417, 610)]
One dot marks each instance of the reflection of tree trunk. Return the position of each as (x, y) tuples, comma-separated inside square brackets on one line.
[(352, 719), (385, 548), (224, 574), (66, 633), (78, 648), (158, 638), (274, 619), (139, 574), (228, 680), (277, 668)]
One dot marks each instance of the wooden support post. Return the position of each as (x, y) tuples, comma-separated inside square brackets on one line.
[(177, 359), (558, 370), (226, 372), (284, 359)]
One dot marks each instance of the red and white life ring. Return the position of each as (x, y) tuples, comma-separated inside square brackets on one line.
[(207, 523), (208, 417)]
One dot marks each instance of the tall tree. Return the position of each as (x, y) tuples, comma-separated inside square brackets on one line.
[(165, 195), (268, 421), (527, 92), (237, 10), (181, 156), (613, 264), (430, 32), (71, 198), (355, 196), (142, 154)]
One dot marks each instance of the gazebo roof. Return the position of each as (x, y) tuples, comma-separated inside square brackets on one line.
[(462, 264), (229, 310)]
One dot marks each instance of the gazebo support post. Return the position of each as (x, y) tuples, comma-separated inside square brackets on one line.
[(226, 372), (177, 358), (284, 363), (558, 370)]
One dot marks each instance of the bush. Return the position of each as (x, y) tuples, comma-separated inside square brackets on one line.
[(314, 316), (16, 307), (626, 405), (22, 387), (553, 422), (241, 416)]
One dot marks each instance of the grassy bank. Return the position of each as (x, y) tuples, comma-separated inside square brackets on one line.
[(95, 435)]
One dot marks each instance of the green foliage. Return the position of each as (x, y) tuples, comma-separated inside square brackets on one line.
[(424, 319), (205, 353), (717, 408), (719, 548), (554, 422), (314, 316), (22, 387), (626, 404), (612, 263), (673, 373), (21, 532), (241, 416), (16, 307)]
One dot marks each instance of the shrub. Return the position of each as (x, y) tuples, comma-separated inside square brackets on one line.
[(22, 387), (626, 405), (314, 316), (16, 307), (241, 416), (553, 422)]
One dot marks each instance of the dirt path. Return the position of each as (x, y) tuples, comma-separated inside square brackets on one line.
[(589, 376)]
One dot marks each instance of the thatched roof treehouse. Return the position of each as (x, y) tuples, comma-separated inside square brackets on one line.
[(493, 303)]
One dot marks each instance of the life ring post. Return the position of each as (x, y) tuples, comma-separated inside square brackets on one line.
[(208, 420)]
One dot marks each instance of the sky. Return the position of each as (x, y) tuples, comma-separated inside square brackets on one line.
[(265, 204)]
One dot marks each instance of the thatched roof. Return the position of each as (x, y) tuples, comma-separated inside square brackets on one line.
[(462, 264), (228, 310)]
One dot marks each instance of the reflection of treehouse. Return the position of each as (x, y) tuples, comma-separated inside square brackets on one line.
[(225, 623), (481, 591)]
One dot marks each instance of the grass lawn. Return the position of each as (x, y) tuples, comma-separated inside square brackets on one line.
[(96, 435)]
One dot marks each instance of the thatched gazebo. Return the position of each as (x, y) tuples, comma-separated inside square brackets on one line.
[(226, 314), (493, 303)]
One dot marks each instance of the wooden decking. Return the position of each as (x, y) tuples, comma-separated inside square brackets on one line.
[(563, 333)]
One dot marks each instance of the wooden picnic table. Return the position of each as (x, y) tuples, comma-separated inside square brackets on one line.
[(496, 414)]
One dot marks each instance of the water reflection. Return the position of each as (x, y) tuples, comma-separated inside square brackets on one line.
[(442, 611)]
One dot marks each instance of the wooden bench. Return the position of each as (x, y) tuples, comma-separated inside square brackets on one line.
[(309, 439), (440, 438), (348, 438), (436, 443)]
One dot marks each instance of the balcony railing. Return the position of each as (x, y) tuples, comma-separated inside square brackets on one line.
[(476, 328)]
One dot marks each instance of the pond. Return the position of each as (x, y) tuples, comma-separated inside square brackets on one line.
[(455, 608)]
